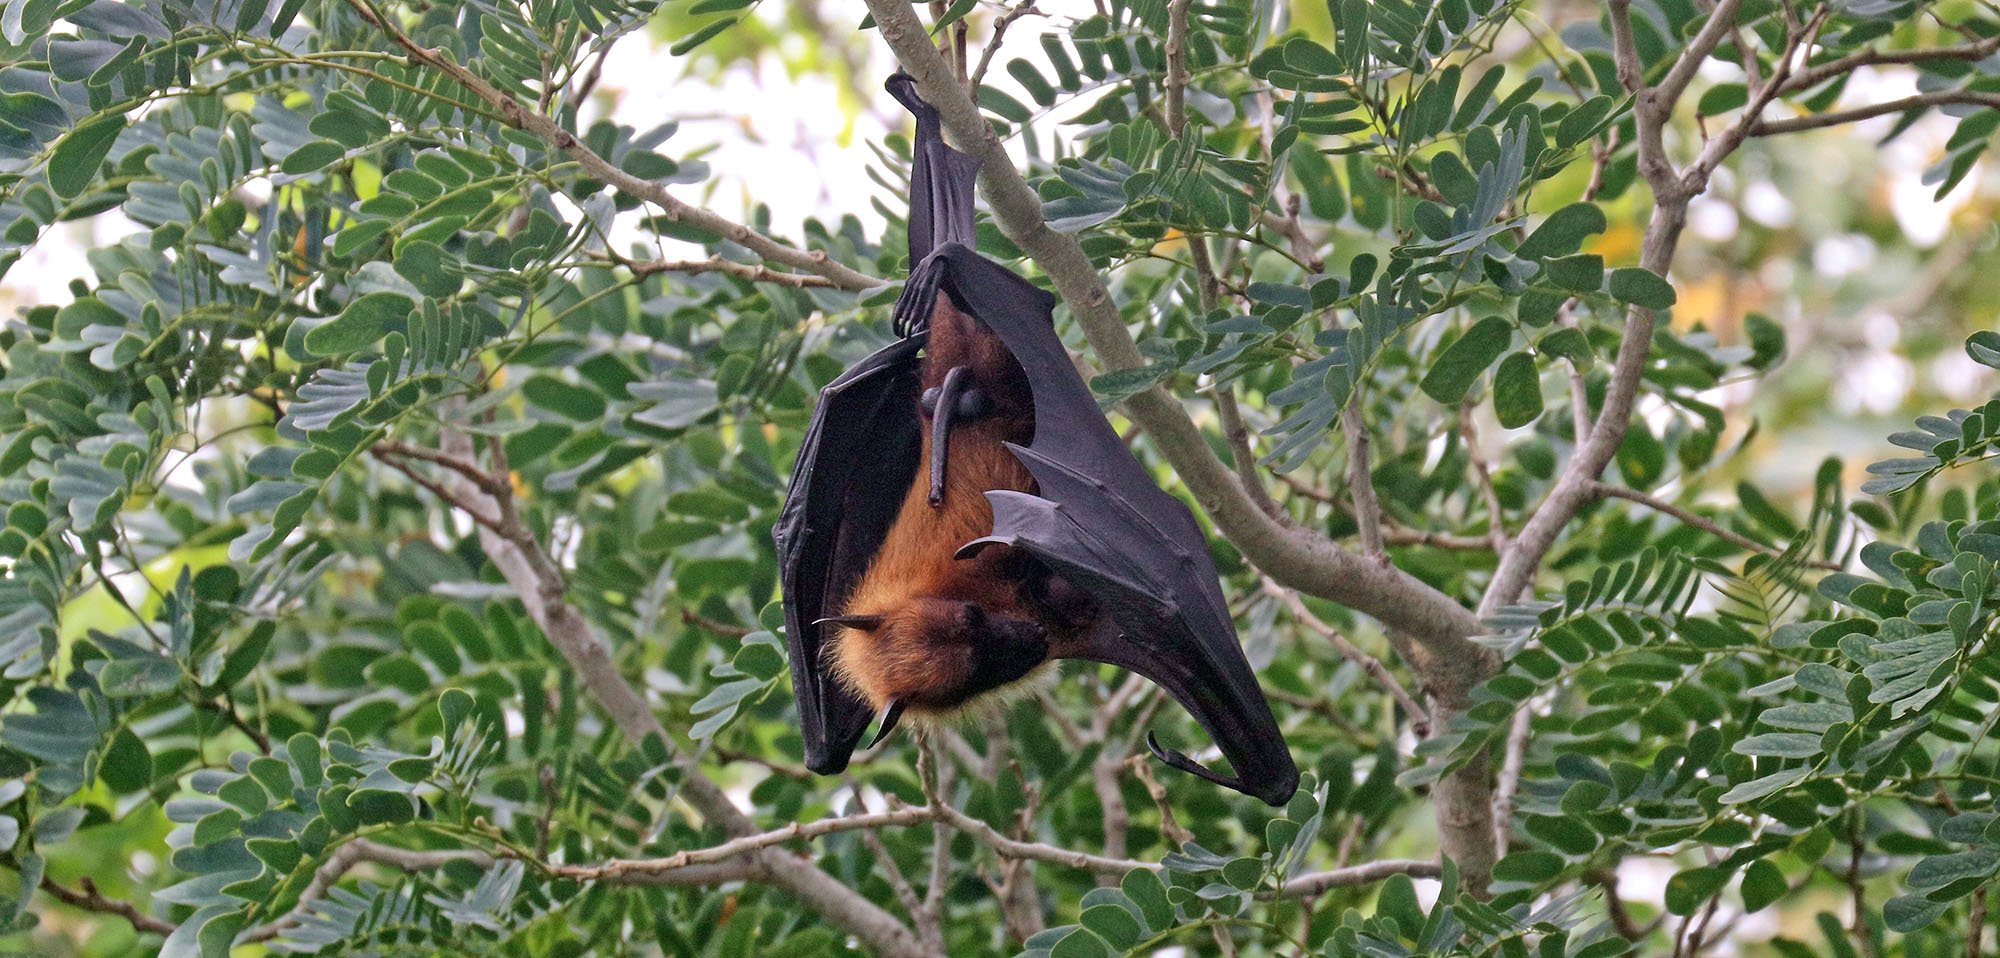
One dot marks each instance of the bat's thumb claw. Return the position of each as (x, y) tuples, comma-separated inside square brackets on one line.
[(887, 723), (1181, 761)]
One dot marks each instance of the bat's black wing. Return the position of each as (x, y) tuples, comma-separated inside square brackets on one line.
[(864, 438), (1100, 522)]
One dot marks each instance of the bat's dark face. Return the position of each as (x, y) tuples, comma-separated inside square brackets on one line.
[(935, 655)]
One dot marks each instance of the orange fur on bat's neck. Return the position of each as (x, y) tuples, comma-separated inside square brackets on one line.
[(914, 583)]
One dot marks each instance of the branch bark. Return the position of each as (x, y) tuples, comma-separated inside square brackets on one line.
[(87, 897), (1306, 886)]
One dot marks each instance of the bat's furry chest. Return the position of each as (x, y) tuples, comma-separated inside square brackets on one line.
[(916, 656)]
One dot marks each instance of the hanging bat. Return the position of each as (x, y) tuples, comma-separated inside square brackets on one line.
[(962, 515)]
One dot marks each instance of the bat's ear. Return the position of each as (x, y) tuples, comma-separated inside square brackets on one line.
[(887, 723)]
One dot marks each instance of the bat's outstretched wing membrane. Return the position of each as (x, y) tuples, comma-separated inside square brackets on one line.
[(1100, 521), (865, 437)]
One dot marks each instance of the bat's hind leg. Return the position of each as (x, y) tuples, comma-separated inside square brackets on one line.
[(955, 402)]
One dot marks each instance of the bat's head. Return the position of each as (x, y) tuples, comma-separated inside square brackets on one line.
[(932, 657)]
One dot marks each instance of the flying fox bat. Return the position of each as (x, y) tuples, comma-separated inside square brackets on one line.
[(962, 514)]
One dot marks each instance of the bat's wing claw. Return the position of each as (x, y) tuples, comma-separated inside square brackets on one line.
[(1276, 792)]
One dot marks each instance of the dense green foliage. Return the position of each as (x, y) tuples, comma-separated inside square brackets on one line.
[(414, 391)]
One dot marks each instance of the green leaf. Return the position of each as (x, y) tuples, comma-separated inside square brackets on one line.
[(1763, 883), (1687, 890), (1244, 873), (1081, 943), (1112, 923), (1563, 233), (571, 401), (1461, 363), (1641, 287), (1528, 867), (1517, 391), (1583, 273), (426, 265), (1144, 888), (686, 44), (365, 320), (74, 163), (1007, 107), (1722, 98), (127, 765), (1569, 343), (312, 157)]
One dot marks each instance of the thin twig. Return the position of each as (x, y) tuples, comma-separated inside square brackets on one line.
[(1916, 101), (1604, 490), (1000, 26), (717, 626), (1511, 762), (1975, 924), (1237, 436), (87, 897), (1496, 528), (1361, 483), (1170, 829), (621, 869), (716, 264), (1363, 874), (1420, 719), (357, 852), (938, 789), (912, 905), (597, 167)]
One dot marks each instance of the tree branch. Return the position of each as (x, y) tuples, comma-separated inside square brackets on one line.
[(1718, 25), (716, 264), (1313, 884), (1361, 483), (623, 870), (993, 45), (1237, 436), (1605, 490), (1518, 564), (1919, 101), (87, 897), (356, 852), (1420, 720)]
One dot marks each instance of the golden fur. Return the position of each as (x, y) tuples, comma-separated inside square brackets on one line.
[(915, 584)]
